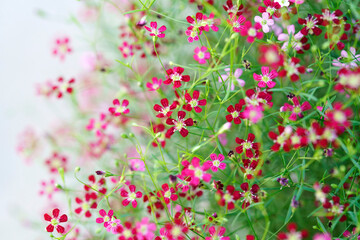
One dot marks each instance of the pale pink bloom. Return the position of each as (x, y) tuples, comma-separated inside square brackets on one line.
[(48, 188), (322, 236), (297, 1), (94, 62), (145, 229), (265, 21), (126, 49), (137, 165), (236, 75), (28, 144), (347, 60), (266, 78), (295, 39), (62, 47), (201, 54)]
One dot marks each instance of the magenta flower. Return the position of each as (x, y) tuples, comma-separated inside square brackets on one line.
[(253, 113), (137, 165), (145, 229), (217, 234), (216, 162), (296, 109), (130, 197), (155, 85), (196, 171), (236, 23), (266, 78), (251, 32), (126, 49), (154, 31), (167, 193), (201, 54), (119, 109), (48, 188)]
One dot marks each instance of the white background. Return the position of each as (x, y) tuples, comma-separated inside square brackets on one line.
[(25, 59)]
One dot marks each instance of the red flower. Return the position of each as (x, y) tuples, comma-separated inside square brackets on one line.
[(292, 234), (250, 166), (63, 86), (118, 110), (292, 69), (154, 32), (233, 9), (175, 77), (252, 31), (270, 55), (165, 109), (271, 7), (281, 139), (310, 25), (248, 145), (130, 197), (99, 185), (179, 125), (159, 128), (235, 113), (167, 193), (55, 221), (338, 117), (249, 195), (296, 109), (334, 208), (229, 197), (88, 203), (194, 102)]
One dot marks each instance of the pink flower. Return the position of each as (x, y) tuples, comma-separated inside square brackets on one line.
[(266, 78), (137, 165), (236, 23), (63, 86), (145, 229), (48, 188), (265, 21), (201, 54), (216, 162), (232, 76), (155, 85), (55, 221), (253, 113), (217, 234), (251, 31), (296, 109), (154, 32), (98, 126), (118, 110), (62, 47), (130, 197), (291, 40), (196, 171), (126, 49)]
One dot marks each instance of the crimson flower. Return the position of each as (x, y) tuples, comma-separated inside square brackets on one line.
[(167, 193), (247, 145), (281, 139), (88, 203), (292, 233), (233, 9), (194, 102), (235, 113), (165, 109), (179, 125), (130, 197), (292, 69), (55, 221), (154, 31), (126, 49), (228, 197), (310, 25), (271, 7), (334, 208), (175, 77), (97, 185), (155, 85), (296, 109), (266, 78), (249, 195), (119, 109)]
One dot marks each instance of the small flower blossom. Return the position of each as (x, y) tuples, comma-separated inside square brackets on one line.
[(48, 188), (231, 77), (155, 85), (283, 3), (233, 9), (88, 203), (292, 233), (348, 60), (247, 145), (196, 171), (253, 113), (194, 102), (235, 113), (251, 32), (266, 78), (201, 54), (126, 49), (180, 125), (56, 161), (165, 110), (98, 126), (111, 224), (119, 109), (217, 234), (236, 23), (63, 86), (265, 21), (175, 77), (228, 197), (145, 229), (137, 165), (291, 40), (167, 193), (310, 25), (62, 48), (154, 31), (130, 197), (55, 221), (296, 109), (216, 162), (292, 69), (249, 195), (271, 8)]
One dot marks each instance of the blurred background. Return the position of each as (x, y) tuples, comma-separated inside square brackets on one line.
[(27, 33)]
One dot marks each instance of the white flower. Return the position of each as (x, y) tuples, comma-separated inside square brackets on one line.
[(265, 21), (283, 3)]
